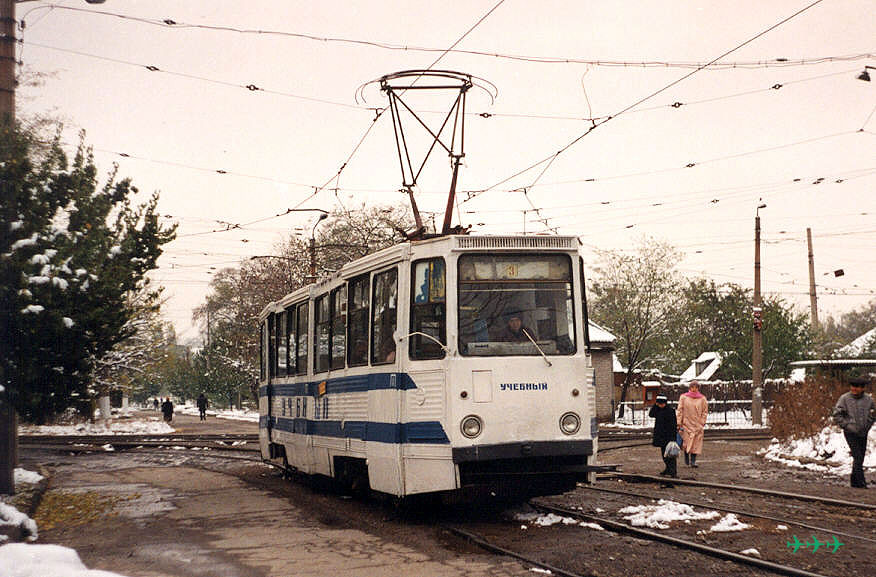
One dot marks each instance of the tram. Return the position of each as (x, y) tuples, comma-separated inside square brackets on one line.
[(451, 363)]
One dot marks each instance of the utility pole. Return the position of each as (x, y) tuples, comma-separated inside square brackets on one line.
[(8, 420), (757, 339), (7, 62), (813, 299)]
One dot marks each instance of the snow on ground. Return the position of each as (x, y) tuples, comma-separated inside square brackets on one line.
[(233, 414), (546, 520), (664, 512), (151, 425), (131, 425), (828, 447), (12, 517), (729, 523), (24, 476), (27, 560)]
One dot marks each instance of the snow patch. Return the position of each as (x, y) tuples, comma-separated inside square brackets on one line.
[(825, 452), (10, 516), (729, 523), (25, 476), (664, 512), (24, 560)]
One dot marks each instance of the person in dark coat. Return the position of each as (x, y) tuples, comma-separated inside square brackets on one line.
[(167, 410), (855, 413), (665, 429), (202, 406)]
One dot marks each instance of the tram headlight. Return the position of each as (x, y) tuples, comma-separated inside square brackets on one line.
[(570, 423), (471, 426)]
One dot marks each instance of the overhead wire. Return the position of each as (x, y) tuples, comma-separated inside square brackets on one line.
[(548, 161), (777, 62)]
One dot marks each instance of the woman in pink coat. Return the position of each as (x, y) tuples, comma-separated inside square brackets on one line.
[(691, 415)]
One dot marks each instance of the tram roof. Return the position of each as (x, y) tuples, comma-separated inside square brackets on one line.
[(461, 242)]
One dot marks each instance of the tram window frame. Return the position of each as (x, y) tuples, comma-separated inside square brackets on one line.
[(428, 304), (321, 333), (291, 340), (272, 347), (485, 272), (282, 358), (302, 349), (358, 317), (585, 317), (262, 357), (384, 323), (338, 323)]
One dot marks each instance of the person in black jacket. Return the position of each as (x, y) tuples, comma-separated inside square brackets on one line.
[(665, 429)]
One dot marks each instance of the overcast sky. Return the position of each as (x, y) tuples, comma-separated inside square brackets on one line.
[(782, 120)]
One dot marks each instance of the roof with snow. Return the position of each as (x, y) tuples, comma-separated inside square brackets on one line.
[(600, 334), (861, 344), (703, 367)]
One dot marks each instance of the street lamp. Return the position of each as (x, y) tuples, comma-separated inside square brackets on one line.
[(312, 275), (865, 76)]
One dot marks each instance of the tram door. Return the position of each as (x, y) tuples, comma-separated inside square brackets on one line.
[(383, 434)]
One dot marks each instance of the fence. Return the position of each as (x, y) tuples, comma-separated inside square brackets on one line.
[(731, 414)]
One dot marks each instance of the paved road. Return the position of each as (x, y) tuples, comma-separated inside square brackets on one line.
[(181, 514)]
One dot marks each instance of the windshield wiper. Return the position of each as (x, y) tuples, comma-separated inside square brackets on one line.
[(544, 356)]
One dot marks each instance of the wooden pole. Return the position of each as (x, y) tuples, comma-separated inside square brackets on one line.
[(813, 298)]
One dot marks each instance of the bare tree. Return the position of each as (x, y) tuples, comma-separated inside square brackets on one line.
[(634, 294)]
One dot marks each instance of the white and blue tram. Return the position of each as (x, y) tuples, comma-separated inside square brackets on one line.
[(435, 365)]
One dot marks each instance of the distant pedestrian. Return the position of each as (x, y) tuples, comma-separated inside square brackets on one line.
[(693, 409), (202, 406), (665, 430), (855, 413), (167, 410), (155, 403)]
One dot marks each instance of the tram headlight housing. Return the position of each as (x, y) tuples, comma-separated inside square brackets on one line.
[(471, 426), (570, 423)]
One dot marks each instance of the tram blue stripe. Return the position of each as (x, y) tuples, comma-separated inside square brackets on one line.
[(351, 384), (424, 432)]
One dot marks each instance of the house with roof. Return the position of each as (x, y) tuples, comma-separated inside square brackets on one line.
[(603, 359), (702, 368), (862, 345)]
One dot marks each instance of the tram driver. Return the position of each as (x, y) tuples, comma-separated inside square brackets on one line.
[(515, 331)]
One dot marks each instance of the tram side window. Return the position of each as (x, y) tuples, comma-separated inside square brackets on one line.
[(322, 329), (272, 346), (357, 328), (291, 340), (262, 357), (281, 344), (584, 313), (301, 359), (428, 309), (339, 327), (384, 317)]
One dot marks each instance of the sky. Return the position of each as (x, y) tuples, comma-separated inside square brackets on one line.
[(248, 109)]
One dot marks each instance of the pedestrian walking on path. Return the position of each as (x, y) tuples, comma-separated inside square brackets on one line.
[(693, 409), (202, 406), (665, 429), (855, 413), (167, 409)]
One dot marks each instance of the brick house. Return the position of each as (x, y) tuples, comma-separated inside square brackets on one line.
[(602, 356)]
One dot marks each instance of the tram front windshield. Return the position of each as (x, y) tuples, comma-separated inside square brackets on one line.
[(515, 305)]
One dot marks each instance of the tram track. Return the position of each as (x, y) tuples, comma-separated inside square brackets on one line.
[(637, 477), (700, 548), (717, 506), (100, 443)]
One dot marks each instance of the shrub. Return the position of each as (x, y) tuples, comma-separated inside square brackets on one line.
[(804, 409)]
